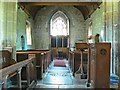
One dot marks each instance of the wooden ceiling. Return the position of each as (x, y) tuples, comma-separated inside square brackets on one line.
[(87, 8)]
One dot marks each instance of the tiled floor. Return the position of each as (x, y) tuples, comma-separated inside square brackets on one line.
[(60, 78)]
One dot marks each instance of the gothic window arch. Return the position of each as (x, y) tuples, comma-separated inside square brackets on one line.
[(59, 33), (59, 30), (28, 33), (59, 24)]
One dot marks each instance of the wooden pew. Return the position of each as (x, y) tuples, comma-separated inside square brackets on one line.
[(6, 59), (79, 46), (43, 59), (71, 61), (59, 53), (75, 61), (16, 68), (99, 65)]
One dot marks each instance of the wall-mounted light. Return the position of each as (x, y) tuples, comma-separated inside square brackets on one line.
[(115, 25), (98, 7), (89, 16), (18, 7)]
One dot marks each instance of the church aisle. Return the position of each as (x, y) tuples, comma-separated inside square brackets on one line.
[(60, 77)]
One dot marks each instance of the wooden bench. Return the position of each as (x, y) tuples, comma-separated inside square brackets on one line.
[(42, 59), (99, 65), (16, 68), (6, 59), (75, 61)]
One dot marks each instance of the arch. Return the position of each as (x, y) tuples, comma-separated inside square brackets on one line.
[(59, 32), (59, 24)]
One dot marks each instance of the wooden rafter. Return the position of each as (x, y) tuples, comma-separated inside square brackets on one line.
[(61, 3)]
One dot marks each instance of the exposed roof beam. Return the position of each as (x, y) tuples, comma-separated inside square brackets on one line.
[(59, 0), (60, 3)]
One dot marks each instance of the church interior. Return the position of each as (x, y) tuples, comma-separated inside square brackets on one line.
[(59, 45)]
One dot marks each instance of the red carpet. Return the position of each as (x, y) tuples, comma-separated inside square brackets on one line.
[(59, 63)]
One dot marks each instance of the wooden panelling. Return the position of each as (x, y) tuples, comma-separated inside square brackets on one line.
[(79, 46), (16, 68), (75, 61), (6, 59), (43, 59), (59, 53), (100, 65)]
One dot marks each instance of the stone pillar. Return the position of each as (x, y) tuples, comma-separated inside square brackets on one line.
[(115, 36), (119, 43), (111, 32), (8, 28)]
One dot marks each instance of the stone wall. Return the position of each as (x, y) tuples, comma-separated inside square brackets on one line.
[(42, 25), (97, 23), (8, 15), (105, 22), (119, 41), (21, 29), (1, 23)]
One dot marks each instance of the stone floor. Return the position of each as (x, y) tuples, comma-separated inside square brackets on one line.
[(61, 78)]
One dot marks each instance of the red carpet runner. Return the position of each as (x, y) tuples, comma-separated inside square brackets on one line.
[(59, 63)]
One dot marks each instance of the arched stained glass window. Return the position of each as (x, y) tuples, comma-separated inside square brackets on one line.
[(28, 32), (59, 24), (59, 30), (59, 33)]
